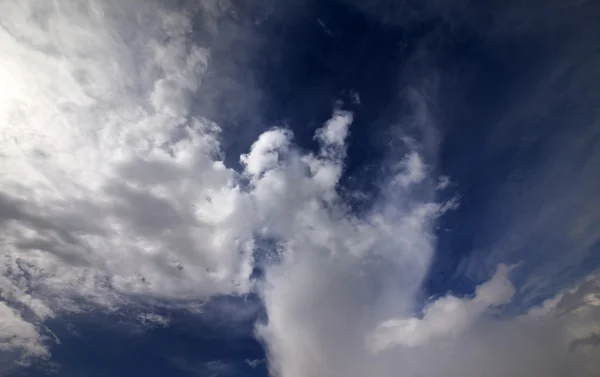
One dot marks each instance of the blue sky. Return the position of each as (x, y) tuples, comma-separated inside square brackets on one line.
[(299, 188)]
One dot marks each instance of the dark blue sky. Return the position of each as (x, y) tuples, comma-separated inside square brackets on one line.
[(115, 345)]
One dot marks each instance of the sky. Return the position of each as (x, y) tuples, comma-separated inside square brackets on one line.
[(299, 188)]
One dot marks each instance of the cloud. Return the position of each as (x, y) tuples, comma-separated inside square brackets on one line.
[(253, 363), (342, 273), (322, 324), (16, 334), (116, 192), (336, 129), (153, 320), (214, 368), (444, 317), (114, 188), (264, 153), (443, 183)]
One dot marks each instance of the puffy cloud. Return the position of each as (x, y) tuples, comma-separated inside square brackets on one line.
[(264, 153), (443, 317), (343, 273), (116, 190), (322, 321), (336, 129), (114, 187)]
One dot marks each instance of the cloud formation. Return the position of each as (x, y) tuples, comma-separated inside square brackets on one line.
[(319, 325), (116, 192), (111, 188)]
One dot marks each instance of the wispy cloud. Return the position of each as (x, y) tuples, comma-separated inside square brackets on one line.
[(214, 368)]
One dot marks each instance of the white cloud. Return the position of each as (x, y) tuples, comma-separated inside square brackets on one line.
[(336, 129), (322, 316), (265, 152), (444, 317), (19, 335), (11, 292), (342, 273), (413, 170), (111, 186), (114, 187)]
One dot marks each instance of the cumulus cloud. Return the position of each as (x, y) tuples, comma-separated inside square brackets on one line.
[(336, 130), (443, 317), (115, 190), (323, 324), (342, 273)]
